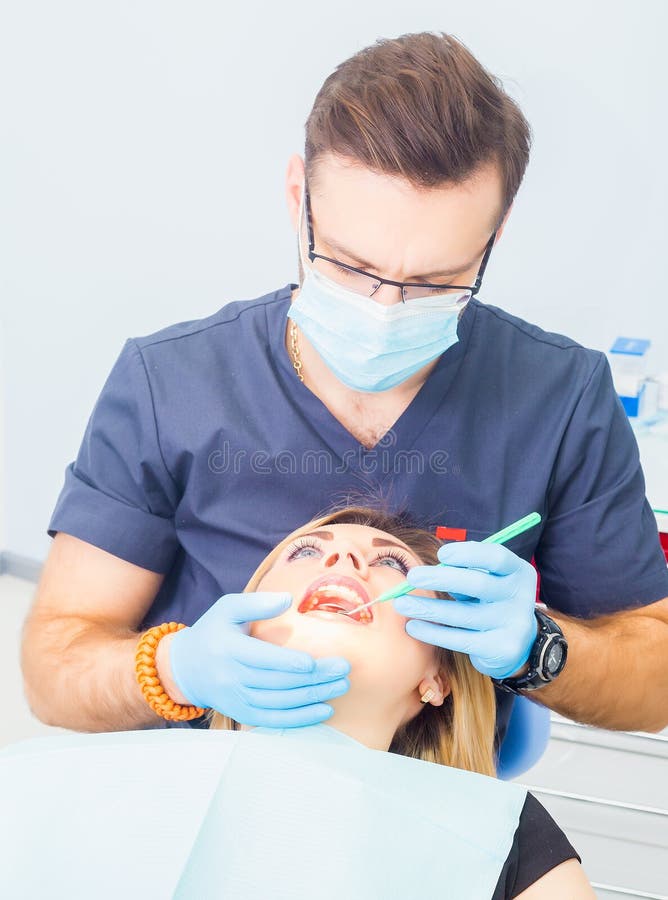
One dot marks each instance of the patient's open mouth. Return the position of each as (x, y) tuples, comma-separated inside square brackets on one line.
[(334, 594)]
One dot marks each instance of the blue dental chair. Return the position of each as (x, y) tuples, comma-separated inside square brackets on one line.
[(526, 738)]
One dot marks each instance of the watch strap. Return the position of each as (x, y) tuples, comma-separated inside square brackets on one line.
[(538, 675)]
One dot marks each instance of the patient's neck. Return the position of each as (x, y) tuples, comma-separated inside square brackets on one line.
[(365, 722), (374, 732)]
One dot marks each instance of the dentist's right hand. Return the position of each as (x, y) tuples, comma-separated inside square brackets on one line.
[(215, 663)]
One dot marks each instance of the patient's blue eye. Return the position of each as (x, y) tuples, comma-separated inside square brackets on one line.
[(399, 560), (300, 547)]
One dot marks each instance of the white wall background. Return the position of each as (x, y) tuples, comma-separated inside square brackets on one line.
[(143, 151)]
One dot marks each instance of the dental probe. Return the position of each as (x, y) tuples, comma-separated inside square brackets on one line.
[(510, 531)]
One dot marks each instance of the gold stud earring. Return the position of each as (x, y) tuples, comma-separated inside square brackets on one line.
[(427, 696)]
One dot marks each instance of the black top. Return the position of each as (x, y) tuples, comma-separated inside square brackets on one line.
[(539, 845)]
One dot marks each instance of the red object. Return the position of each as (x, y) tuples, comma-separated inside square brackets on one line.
[(533, 563), (443, 533), (663, 540)]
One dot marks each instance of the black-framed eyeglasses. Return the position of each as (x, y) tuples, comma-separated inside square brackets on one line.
[(366, 284)]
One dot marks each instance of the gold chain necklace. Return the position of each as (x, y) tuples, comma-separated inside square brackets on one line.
[(296, 358)]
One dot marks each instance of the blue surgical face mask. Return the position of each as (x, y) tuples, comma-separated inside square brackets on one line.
[(369, 346)]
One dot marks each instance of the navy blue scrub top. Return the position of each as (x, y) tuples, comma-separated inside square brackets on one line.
[(204, 450)]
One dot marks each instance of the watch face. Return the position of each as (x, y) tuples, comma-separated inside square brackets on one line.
[(554, 658)]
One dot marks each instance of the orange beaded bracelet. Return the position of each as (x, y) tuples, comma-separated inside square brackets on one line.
[(147, 676)]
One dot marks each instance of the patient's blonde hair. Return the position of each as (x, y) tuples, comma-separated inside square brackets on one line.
[(459, 733)]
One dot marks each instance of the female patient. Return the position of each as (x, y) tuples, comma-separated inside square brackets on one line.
[(313, 811), (405, 696)]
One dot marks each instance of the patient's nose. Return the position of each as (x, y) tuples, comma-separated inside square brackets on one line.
[(346, 559)]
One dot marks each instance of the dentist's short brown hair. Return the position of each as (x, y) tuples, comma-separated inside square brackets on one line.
[(421, 107)]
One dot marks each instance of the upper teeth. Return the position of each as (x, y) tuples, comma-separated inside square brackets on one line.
[(338, 591)]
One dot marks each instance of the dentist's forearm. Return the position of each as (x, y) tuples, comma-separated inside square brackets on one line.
[(615, 675), (81, 675)]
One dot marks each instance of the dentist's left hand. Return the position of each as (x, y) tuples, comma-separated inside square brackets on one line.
[(215, 663), (492, 616)]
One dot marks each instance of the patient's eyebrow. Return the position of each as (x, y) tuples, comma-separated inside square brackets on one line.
[(381, 542), (375, 542)]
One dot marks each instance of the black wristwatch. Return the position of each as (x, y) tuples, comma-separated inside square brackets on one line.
[(546, 660)]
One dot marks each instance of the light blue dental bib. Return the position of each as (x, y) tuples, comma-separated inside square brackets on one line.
[(291, 813)]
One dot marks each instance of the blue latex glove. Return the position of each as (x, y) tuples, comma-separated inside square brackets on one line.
[(215, 663), (492, 617)]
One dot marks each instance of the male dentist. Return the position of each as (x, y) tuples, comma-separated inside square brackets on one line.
[(380, 370)]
